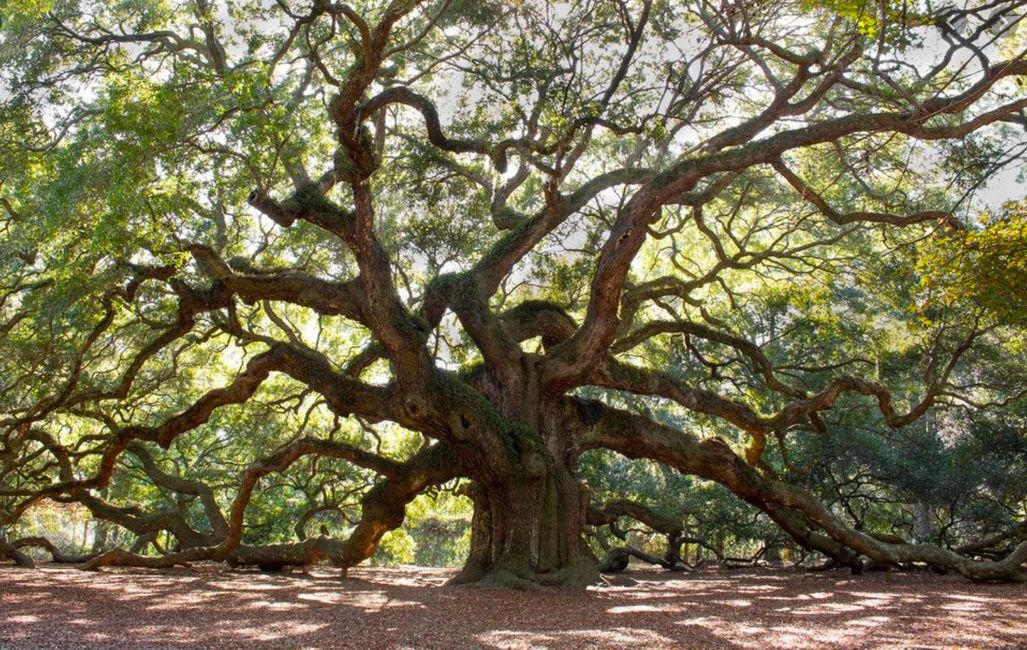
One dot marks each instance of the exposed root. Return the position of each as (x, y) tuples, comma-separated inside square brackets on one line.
[(577, 575)]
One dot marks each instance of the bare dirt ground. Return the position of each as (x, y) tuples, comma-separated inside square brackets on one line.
[(213, 607)]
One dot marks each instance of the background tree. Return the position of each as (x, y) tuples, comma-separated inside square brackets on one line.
[(267, 261)]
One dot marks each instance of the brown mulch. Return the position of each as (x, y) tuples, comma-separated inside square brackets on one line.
[(214, 607)]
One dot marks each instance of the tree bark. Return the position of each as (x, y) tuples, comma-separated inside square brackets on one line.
[(527, 525), (19, 558), (798, 511), (527, 532)]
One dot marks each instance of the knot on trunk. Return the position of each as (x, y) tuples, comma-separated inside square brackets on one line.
[(461, 424), (534, 465), (539, 318), (415, 407), (281, 214)]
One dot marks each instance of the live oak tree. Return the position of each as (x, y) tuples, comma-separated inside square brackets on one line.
[(397, 244)]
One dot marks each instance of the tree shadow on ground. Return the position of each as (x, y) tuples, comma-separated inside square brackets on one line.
[(210, 606)]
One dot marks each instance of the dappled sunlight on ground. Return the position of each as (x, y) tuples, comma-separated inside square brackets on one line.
[(211, 606)]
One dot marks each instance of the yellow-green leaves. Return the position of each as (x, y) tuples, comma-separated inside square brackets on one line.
[(984, 266), (871, 16)]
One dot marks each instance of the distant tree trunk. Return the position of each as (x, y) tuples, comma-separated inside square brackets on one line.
[(773, 554), (922, 526), (101, 533)]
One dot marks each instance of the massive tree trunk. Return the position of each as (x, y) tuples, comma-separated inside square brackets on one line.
[(527, 525), (528, 531)]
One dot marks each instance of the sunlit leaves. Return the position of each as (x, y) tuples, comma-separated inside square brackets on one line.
[(984, 265)]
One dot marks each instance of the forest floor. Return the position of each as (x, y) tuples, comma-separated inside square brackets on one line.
[(214, 607)]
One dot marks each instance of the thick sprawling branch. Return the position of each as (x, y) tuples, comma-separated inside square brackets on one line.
[(345, 396), (16, 555), (588, 345), (215, 517), (745, 347), (616, 558), (937, 216), (638, 437), (383, 509), (433, 126), (252, 285), (621, 376)]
